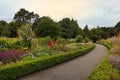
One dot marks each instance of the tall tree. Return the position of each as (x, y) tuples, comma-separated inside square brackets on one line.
[(70, 28), (13, 27), (25, 16), (86, 31), (76, 29), (3, 26), (117, 27), (45, 26), (66, 28)]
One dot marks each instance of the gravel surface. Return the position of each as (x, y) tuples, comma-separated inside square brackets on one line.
[(76, 69)]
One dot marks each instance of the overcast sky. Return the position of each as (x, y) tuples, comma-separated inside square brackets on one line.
[(91, 12)]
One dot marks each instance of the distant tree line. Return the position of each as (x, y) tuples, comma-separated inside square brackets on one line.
[(102, 32), (44, 26)]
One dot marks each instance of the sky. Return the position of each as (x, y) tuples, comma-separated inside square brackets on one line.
[(91, 12)]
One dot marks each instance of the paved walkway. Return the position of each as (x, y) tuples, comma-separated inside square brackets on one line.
[(76, 69)]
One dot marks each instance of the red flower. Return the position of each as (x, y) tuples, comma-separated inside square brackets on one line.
[(51, 44), (58, 42)]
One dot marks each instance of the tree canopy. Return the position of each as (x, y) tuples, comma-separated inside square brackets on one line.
[(45, 26), (117, 27), (25, 16), (70, 28)]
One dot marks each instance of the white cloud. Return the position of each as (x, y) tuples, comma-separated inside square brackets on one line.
[(91, 12)]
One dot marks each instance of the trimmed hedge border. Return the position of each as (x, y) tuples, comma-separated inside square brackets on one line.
[(106, 45), (16, 70)]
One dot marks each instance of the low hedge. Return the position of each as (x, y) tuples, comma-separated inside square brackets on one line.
[(102, 71), (16, 70), (109, 46)]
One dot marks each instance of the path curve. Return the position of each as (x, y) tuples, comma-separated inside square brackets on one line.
[(76, 69)]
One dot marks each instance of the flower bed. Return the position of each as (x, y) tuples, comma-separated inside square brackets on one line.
[(16, 70)]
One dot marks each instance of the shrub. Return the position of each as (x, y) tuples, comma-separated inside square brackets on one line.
[(10, 56), (62, 40), (86, 40), (114, 61), (10, 44), (44, 41), (107, 43), (13, 71), (79, 38), (26, 35)]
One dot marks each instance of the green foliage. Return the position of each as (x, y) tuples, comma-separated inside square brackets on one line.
[(86, 31), (70, 28), (26, 34), (107, 43), (44, 41), (62, 40), (114, 74), (85, 40), (45, 26), (117, 27), (96, 34), (79, 38), (11, 31), (24, 16), (3, 26), (106, 69), (102, 71), (15, 70), (10, 43)]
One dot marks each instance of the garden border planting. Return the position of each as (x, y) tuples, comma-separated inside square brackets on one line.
[(16, 70), (102, 71)]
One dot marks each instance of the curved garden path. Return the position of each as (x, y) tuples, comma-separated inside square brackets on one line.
[(76, 69)]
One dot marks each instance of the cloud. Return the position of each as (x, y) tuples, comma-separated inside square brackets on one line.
[(91, 12), (57, 9)]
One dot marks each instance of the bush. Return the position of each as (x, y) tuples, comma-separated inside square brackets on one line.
[(4, 44), (115, 61), (13, 71), (85, 40), (26, 35), (44, 41), (79, 38), (10, 56), (107, 43)]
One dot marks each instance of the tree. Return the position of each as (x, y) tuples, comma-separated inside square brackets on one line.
[(66, 28), (86, 31), (70, 28), (45, 26), (76, 29), (25, 16), (95, 34), (12, 28), (117, 27), (3, 27)]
